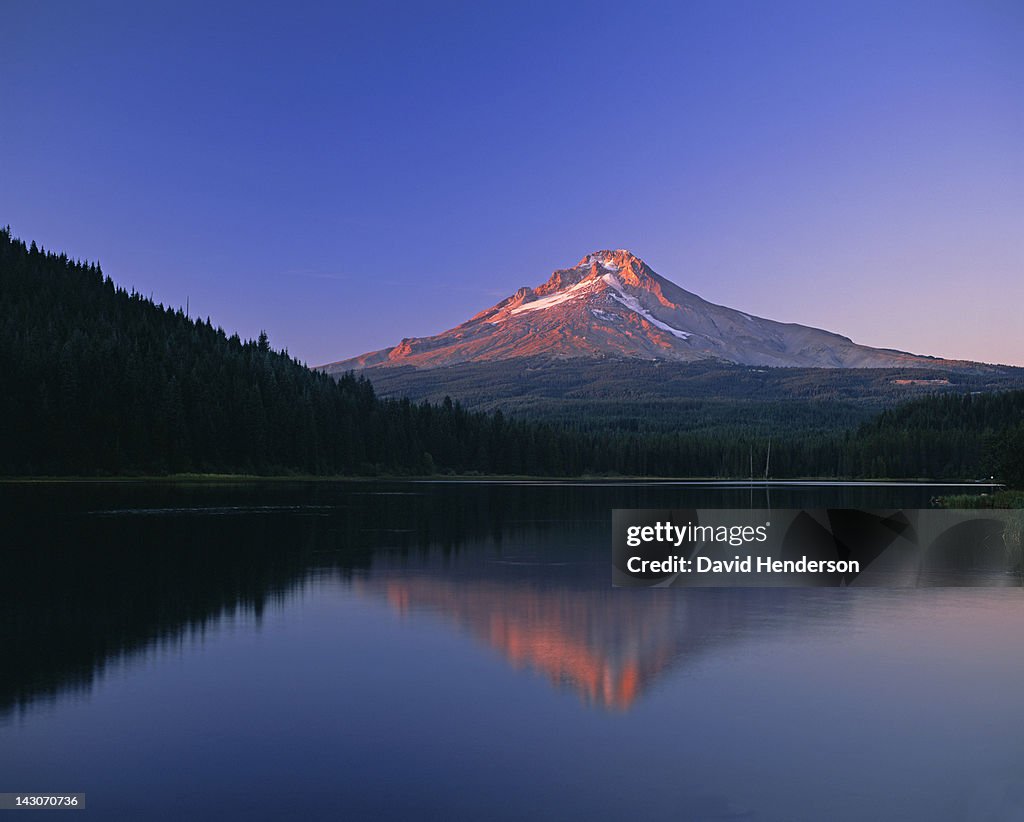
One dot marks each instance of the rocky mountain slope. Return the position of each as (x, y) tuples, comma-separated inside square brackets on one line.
[(612, 304)]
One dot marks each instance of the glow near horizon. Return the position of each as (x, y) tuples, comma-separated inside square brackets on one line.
[(350, 175)]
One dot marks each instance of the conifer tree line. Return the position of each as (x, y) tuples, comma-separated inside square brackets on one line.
[(100, 380)]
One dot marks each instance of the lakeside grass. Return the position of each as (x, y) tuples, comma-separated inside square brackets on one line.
[(1004, 498)]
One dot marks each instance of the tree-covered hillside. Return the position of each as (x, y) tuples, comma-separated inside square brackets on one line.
[(714, 396), (98, 379), (975, 435)]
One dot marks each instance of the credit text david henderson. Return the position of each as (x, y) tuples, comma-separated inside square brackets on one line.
[(740, 565)]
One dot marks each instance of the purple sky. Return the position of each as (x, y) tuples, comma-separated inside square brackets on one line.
[(347, 174)]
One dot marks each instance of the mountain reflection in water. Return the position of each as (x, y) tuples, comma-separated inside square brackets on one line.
[(608, 646), (93, 574)]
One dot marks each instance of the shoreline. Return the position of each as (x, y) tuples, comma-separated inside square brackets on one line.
[(493, 478)]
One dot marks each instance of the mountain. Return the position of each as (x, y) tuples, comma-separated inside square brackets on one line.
[(612, 304)]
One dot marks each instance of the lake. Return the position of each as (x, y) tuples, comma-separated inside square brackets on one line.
[(448, 650)]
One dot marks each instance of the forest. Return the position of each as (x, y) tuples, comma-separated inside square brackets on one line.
[(706, 396), (101, 381)]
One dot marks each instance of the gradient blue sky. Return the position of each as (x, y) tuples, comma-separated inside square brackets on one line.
[(347, 174)]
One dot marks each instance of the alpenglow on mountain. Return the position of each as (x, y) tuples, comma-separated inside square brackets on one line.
[(612, 304)]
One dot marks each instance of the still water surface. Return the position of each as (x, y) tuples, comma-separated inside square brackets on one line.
[(455, 651)]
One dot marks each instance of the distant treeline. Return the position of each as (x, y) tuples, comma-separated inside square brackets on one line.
[(703, 397), (947, 436), (100, 380)]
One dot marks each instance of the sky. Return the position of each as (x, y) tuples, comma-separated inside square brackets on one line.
[(344, 175)]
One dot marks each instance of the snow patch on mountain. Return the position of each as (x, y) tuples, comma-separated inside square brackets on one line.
[(574, 292), (631, 303)]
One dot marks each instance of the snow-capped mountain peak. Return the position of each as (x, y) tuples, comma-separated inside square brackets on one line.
[(611, 303)]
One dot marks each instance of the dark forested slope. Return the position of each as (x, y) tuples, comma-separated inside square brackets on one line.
[(97, 379), (972, 435)]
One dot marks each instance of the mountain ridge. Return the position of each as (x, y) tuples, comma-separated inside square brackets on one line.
[(613, 304)]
